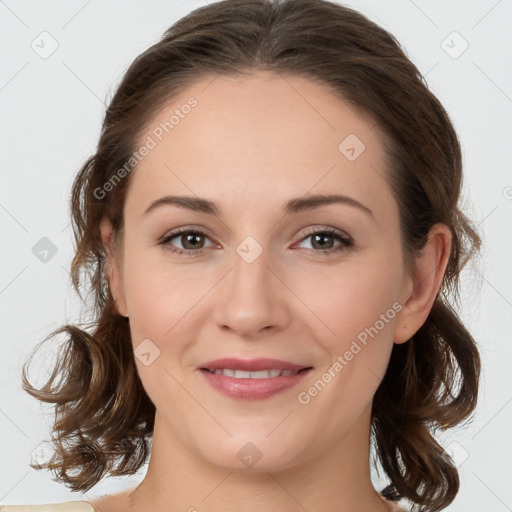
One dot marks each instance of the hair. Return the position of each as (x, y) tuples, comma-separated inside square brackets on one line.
[(103, 417)]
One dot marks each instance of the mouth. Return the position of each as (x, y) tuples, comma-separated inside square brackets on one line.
[(261, 368), (259, 374), (255, 379)]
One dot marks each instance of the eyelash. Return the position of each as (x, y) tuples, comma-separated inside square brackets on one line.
[(346, 242)]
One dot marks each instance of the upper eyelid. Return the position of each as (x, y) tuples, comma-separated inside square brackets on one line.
[(173, 233), (329, 230)]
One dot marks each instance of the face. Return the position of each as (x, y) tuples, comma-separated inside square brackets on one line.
[(320, 285)]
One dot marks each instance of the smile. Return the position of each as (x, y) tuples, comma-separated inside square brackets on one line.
[(253, 385), (261, 374)]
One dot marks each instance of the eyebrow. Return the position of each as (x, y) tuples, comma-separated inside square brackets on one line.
[(297, 205)]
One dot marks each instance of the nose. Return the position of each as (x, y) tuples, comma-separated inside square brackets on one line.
[(252, 298)]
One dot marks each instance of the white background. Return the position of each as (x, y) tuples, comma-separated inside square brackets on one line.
[(51, 113)]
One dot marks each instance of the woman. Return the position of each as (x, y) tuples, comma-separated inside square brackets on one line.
[(251, 344)]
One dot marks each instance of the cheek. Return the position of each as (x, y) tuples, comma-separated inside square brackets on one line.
[(357, 309), (352, 299), (157, 293), (162, 323), (168, 305)]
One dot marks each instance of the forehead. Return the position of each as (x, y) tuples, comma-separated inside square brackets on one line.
[(245, 136)]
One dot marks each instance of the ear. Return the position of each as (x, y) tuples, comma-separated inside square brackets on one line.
[(421, 289), (112, 266)]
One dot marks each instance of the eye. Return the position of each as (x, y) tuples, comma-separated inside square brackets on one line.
[(322, 240), (192, 241)]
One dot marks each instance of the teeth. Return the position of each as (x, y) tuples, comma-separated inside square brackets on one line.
[(261, 374)]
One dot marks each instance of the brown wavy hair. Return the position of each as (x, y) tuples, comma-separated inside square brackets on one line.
[(103, 417)]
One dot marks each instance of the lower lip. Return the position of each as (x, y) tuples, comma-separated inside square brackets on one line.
[(253, 389)]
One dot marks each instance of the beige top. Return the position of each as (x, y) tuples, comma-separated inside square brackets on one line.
[(84, 506), (69, 506)]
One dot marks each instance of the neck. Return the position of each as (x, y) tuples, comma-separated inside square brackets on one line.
[(338, 480)]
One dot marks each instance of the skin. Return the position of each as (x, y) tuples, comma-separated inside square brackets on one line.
[(247, 137)]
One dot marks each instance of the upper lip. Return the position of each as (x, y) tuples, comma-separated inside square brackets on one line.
[(251, 365)]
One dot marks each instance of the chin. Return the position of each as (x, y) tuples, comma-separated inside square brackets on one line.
[(252, 453)]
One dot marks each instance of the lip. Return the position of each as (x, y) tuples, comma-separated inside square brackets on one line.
[(251, 365), (252, 389)]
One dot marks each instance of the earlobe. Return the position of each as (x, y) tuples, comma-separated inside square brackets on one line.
[(425, 283), (112, 271)]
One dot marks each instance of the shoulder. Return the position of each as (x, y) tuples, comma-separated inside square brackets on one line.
[(109, 503), (69, 506)]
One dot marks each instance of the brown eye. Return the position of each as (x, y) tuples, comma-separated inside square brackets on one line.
[(324, 241), (192, 241)]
